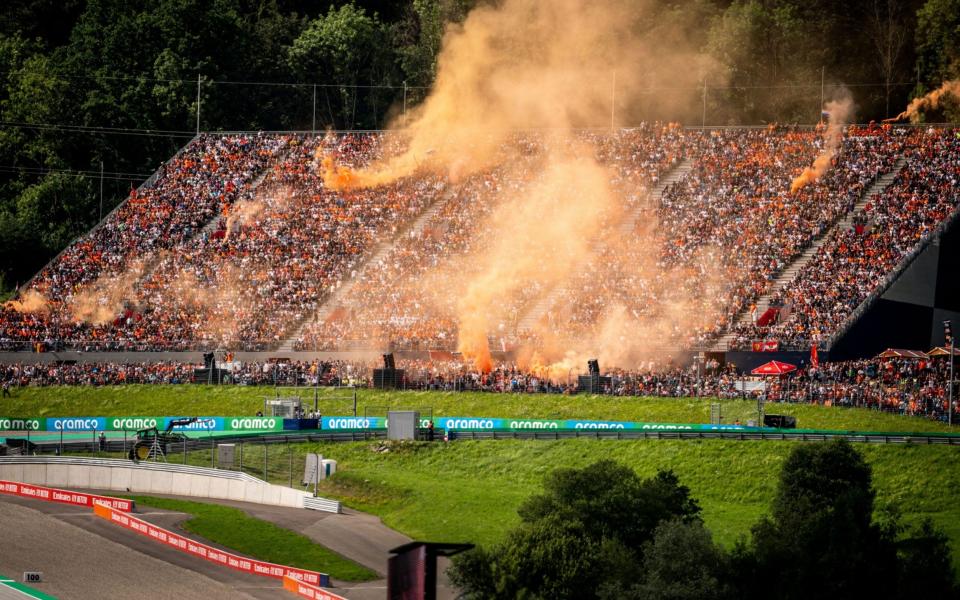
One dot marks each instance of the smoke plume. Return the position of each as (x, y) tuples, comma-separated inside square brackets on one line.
[(553, 68), (104, 299), (541, 236), (929, 102), (839, 112), (529, 64), (30, 301)]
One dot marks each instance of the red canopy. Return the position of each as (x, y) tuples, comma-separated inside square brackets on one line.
[(774, 367)]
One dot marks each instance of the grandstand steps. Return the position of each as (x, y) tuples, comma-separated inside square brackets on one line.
[(790, 272), (211, 227), (672, 176), (380, 253), (540, 308)]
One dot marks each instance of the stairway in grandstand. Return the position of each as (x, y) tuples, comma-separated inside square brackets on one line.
[(540, 308), (790, 272), (379, 253), (213, 224)]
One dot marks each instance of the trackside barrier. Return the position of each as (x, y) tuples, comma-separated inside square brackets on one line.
[(39, 492), (321, 504), (155, 478), (305, 590), (209, 553)]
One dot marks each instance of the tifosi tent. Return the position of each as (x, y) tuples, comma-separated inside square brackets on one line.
[(901, 353), (941, 351), (774, 367)]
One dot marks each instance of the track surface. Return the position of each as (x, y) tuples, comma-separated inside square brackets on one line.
[(83, 556)]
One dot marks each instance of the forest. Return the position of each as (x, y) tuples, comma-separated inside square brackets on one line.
[(96, 94)]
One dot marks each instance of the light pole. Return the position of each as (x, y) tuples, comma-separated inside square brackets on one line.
[(948, 337)]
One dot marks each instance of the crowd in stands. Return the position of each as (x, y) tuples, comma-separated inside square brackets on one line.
[(856, 261), (897, 385), (238, 243), (402, 302), (725, 230), (205, 179)]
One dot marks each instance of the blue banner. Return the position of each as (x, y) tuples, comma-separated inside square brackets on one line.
[(77, 424)]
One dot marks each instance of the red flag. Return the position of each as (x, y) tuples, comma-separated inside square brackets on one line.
[(814, 357)]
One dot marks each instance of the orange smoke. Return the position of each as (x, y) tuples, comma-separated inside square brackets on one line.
[(30, 301), (473, 344), (839, 111), (929, 102), (337, 177)]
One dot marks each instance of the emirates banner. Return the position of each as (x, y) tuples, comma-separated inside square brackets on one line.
[(39, 492)]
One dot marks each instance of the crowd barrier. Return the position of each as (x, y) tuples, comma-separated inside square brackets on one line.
[(153, 478), (208, 553), (39, 492), (305, 590)]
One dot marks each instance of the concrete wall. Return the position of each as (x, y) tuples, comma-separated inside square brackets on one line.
[(123, 476)]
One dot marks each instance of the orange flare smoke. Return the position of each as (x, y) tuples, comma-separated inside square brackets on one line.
[(31, 301), (839, 110), (337, 177), (929, 102)]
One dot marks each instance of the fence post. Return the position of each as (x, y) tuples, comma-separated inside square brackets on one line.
[(290, 453), (241, 457), (264, 460)]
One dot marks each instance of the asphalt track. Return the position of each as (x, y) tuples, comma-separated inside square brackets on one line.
[(83, 556)]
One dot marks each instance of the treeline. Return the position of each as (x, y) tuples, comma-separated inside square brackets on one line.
[(113, 84), (602, 532)]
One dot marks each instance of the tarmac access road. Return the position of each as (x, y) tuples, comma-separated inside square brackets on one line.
[(355, 535)]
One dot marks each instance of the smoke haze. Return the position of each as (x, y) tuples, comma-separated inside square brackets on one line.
[(840, 112), (929, 102)]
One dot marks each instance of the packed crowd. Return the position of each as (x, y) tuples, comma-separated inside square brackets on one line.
[(855, 262), (898, 385), (83, 302), (404, 301), (247, 273), (724, 231), (238, 242)]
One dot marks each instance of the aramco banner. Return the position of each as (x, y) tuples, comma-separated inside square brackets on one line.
[(239, 424), (335, 423), (492, 423)]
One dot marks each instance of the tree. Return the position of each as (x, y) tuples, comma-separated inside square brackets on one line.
[(888, 34), (345, 48), (821, 540), (680, 563), (418, 38), (938, 48), (589, 525), (925, 565)]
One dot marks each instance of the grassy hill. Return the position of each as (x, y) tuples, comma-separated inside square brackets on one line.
[(470, 490), (163, 400)]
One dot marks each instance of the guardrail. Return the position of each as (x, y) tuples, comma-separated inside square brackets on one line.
[(126, 464), (781, 435), (321, 504), (177, 479)]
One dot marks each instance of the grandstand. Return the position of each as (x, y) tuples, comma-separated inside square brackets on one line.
[(236, 243)]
